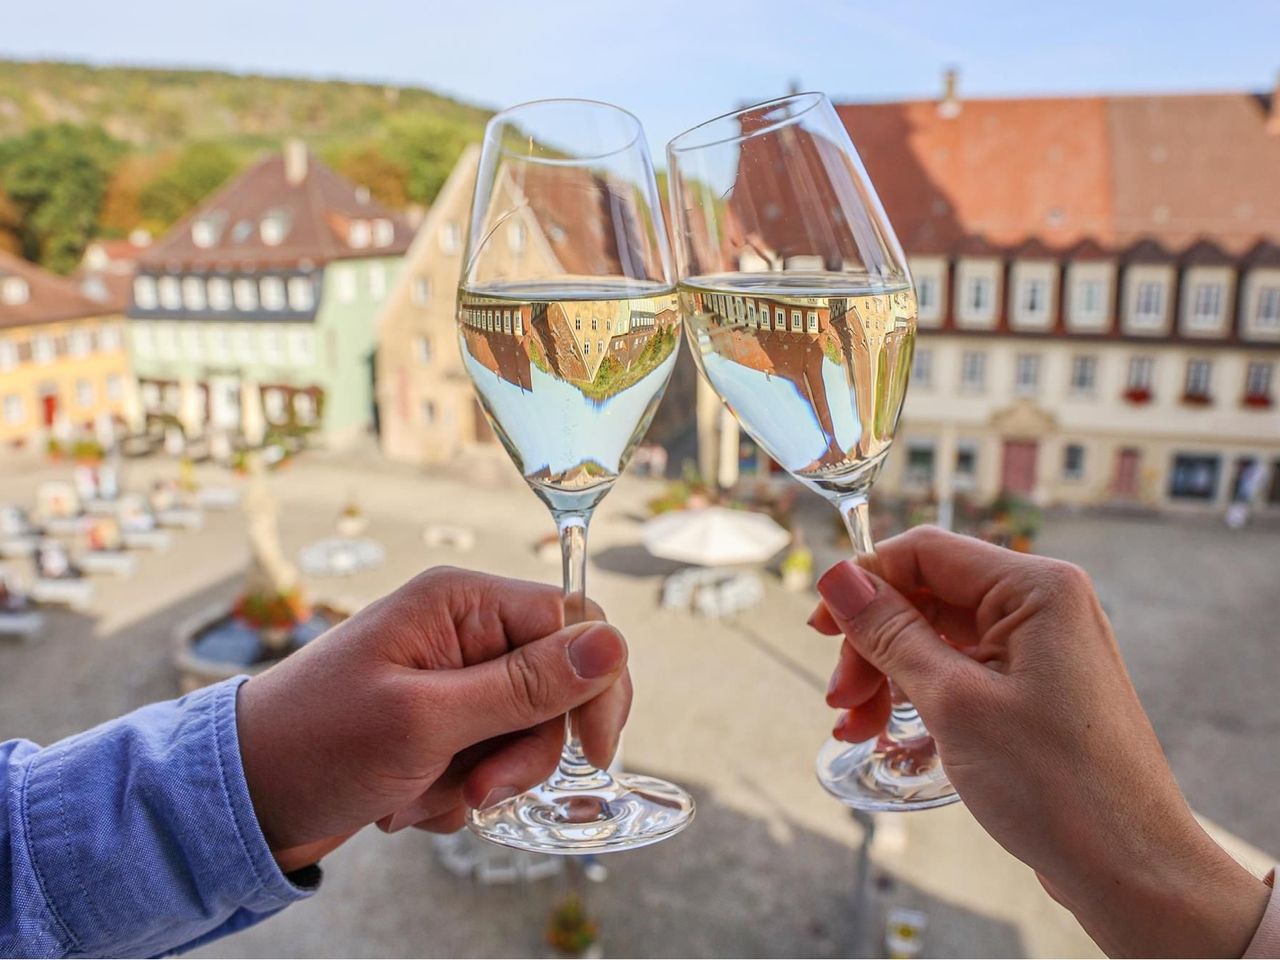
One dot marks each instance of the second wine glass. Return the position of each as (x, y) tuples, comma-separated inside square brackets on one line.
[(568, 326), (803, 319)]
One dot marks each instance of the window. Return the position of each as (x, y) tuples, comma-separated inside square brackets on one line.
[(219, 343), (795, 321), (1148, 303), (1084, 374), (1026, 376), (219, 291), (422, 349), (8, 355), (973, 370), (13, 411), (272, 293), (966, 467), (245, 291), (1088, 299), (779, 319), (927, 295), (1194, 477), (273, 405), (302, 347), (79, 343), (1197, 385), (586, 348), (151, 395), (516, 236), (420, 291), (115, 387), (246, 348), (344, 281), (193, 297), (166, 341), (109, 340), (144, 292), (205, 231), (143, 342), (42, 349), (519, 322), (1206, 305), (1073, 462), (304, 407), (1269, 307), (450, 237), (1035, 297), (273, 346), (922, 367), (191, 341), (599, 346), (302, 295), (170, 293), (978, 295), (577, 322), (84, 393), (428, 412), (1257, 380), (1140, 371), (811, 321), (384, 232), (358, 234), (919, 464), (14, 291), (377, 281), (506, 321)]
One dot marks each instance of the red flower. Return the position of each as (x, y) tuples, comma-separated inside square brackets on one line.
[(1138, 395), (1258, 401)]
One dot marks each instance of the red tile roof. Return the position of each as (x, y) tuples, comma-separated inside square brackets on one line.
[(50, 298), (318, 210)]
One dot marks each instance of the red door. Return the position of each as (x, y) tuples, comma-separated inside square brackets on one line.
[(49, 404), (1018, 474), (1124, 484)]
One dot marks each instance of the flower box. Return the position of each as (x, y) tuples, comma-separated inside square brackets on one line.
[(1197, 399), (1257, 401), (1138, 395)]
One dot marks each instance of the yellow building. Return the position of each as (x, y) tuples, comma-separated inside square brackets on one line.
[(63, 365)]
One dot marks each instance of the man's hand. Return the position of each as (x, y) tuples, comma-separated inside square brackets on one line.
[(447, 694)]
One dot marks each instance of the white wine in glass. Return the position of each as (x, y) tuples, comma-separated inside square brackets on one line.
[(568, 327), (802, 317)]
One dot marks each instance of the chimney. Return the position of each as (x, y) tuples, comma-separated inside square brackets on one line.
[(295, 161), (949, 105), (1273, 118)]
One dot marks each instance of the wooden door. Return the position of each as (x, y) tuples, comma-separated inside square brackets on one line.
[(1018, 471), (1124, 483)]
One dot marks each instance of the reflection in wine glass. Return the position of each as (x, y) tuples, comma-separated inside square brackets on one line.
[(568, 327), (803, 319)]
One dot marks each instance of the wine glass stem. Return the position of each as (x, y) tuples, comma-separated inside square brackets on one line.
[(574, 770), (856, 511)]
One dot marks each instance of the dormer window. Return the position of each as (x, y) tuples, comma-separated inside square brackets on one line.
[(14, 291), (170, 293), (358, 234), (144, 292), (384, 232), (193, 294), (272, 291), (301, 294), (206, 230), (274, 227), (219, 290), (977, 292), (1148, 304), (242, 231), (245, 292), (1268, 315), (1033, 283), (930, 276)]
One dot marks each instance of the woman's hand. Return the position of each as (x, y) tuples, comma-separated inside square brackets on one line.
[(1040, 731), (447, 694)]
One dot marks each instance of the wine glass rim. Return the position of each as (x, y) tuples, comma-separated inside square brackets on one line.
[(505, 114), (810, 99)]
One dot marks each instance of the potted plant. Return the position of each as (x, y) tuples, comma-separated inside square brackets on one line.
[(274, 614), (570, 932)]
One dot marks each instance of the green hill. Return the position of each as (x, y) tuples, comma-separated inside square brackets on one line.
[(88, 151)]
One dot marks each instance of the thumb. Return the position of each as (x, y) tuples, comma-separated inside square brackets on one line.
[(531, 684), (887, 630)]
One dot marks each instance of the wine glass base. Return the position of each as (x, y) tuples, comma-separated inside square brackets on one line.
[(625, 812), (884, 774)]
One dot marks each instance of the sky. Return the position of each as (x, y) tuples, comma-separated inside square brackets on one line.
[(677, 62)]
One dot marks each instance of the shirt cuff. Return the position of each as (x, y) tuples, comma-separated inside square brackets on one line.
[(1266, 939), (142, 831)]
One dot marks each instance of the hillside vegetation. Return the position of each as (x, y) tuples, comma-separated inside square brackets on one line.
[(99, 151)]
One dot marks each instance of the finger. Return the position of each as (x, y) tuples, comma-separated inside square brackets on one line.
[(522, 762), (822, 621), (855, 681), (887, 631), (600, 721), (956, 569), (450, 822), (865, 721), (529, 685)]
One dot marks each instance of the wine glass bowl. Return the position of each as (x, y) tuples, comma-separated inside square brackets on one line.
[(568, 328), (802, 318)]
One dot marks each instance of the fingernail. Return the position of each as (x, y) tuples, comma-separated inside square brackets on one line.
[(831, 684), (496, 796), (399, 821), (841, 717), (596, 652), (813, 618), (846, 589)]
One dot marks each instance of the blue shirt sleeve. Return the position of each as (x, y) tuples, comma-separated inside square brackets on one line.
[(136, 838)]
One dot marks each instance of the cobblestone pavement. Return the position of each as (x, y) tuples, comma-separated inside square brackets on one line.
[(732, 710)]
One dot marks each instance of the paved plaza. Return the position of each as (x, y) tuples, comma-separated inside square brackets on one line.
[(731, 709)]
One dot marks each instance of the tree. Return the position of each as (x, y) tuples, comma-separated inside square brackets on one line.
[(368, 166), (197, 171), (426, 147), (56, 176)]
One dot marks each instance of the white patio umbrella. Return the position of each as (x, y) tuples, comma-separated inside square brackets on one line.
[(714, 536)]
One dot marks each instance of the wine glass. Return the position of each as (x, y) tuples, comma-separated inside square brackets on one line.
[(568, 326), (803, 319)]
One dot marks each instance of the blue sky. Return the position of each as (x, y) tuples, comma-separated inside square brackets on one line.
[(676, 62)]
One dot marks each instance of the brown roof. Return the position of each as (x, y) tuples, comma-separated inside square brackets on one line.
[(1207, 253), (50, 297), (318, 210), (1147, 250)]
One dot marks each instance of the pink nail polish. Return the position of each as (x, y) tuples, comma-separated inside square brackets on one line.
[(846, 589)]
